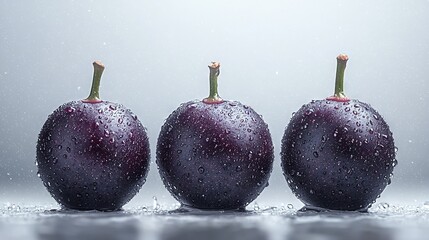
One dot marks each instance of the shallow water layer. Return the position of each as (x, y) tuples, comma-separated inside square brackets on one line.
[(381, 222)]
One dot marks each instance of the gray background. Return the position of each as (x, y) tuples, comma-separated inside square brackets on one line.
[(275, 55)]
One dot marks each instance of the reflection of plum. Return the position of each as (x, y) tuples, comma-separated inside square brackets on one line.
[(215, 154), (93, 154), (203, 228), (68, 225), (338, 153), (341, 226)]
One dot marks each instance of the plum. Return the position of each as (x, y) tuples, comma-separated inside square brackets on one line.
[(93, 154), (215, 154), (338, 153)]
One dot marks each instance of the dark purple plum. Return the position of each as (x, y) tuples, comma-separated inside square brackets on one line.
[(93, 154), (338, 153), (215, 154)]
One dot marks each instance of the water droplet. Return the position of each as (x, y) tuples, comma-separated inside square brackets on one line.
[(311, 191), (155, 204), (201, 170), (106, 133), (315, 154), (389, 181), (120, 120), (384, 205), (347, 109), (309, 112), (70, 109), (238, 168), (112, 107), (290, 206), (375, 116), (256, 207)]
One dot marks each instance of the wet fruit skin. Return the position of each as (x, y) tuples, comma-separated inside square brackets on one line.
[(338, 155), (93, 155), (215, 156)]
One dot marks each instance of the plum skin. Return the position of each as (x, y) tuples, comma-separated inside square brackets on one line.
[(93, 156), (215, 156), (338, 155)]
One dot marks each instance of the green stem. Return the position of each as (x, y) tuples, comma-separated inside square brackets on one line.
[(213, 94), (339, 94), (94, 95)]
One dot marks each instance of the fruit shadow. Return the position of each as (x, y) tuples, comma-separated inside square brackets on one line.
[(186, 210)]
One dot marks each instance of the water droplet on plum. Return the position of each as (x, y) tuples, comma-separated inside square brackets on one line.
[(70, 109)]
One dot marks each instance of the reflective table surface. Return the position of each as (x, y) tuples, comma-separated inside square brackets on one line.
[(261, 222)]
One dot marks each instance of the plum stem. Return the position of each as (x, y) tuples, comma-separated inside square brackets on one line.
[(94, 95), (339, 94), (213, 94)]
